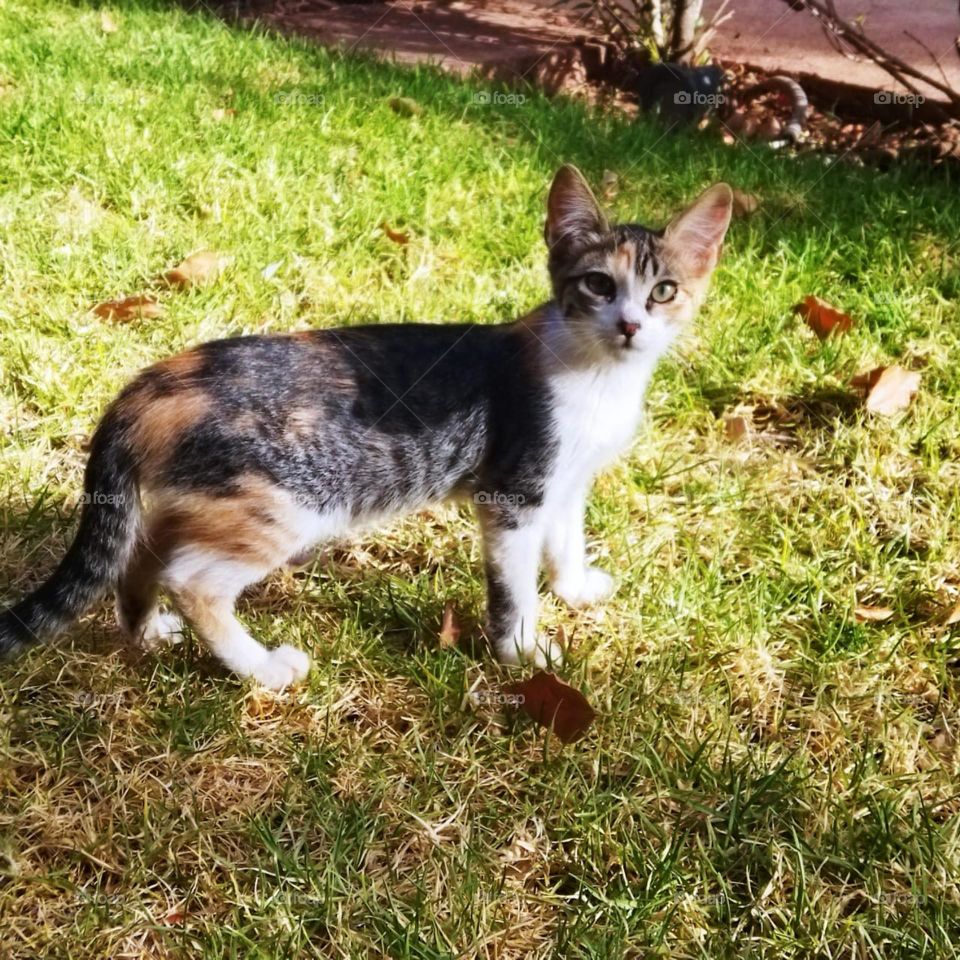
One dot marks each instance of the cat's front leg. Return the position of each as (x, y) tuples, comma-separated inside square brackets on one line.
[(513, 543), (572, 579)]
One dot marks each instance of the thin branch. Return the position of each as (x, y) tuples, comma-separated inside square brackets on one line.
[(855, 37)]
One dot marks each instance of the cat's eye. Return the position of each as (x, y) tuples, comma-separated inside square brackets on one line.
[(663, 292), (600, 284)]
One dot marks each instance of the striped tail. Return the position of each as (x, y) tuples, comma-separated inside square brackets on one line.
[(100, 551)]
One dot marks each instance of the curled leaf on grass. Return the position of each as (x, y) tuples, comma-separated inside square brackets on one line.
[(405, 106), (552, 703), (270, 270), (951, 616), (866, 613), (822, 318), (744, 204), (887, 390), (138, 307), (609, 184), (399, 237), (736, 427), (450, 628), (198, 269)]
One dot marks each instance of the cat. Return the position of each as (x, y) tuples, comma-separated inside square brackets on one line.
[(215, 467)]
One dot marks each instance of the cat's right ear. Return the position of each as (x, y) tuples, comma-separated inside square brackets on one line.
[(574, 217)]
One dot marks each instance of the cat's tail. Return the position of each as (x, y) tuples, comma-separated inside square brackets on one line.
[(105, 538)]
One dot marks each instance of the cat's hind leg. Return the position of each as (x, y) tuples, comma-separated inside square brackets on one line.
[(207, 601), (214, 546), (138, 613)]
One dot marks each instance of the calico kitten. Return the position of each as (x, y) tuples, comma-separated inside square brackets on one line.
[(215, 467)]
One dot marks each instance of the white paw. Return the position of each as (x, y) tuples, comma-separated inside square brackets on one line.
[(544, 652), (282, 667), (159, 629), (592, 586)]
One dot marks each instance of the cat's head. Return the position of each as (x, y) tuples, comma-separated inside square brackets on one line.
[(629, 290)]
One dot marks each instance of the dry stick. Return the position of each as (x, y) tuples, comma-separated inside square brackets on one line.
[(830, 20), (930, 53), (709, 29), (656, 23)]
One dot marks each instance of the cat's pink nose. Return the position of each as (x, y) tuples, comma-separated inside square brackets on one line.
[(627, 328)]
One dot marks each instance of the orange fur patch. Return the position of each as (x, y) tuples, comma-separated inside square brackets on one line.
[(256, 525)]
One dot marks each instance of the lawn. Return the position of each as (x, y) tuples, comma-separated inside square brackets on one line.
[(767, 776)]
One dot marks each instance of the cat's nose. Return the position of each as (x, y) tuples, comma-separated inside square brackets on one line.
[(627, 328)]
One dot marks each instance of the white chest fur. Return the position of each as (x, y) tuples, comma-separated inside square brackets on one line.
[(596, 413)]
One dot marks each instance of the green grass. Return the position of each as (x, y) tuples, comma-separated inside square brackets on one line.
[(766, 777)]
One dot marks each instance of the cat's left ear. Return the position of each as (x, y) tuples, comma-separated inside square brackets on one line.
[(696, 235), (574, 217)]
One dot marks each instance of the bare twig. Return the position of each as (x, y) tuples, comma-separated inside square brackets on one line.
[(929, 53), (855, 38)]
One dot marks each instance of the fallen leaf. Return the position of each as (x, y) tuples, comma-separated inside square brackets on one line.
[(270, 270), (952, 616), (822, 318), (888, 389), (944, 741), (198, 269), (405, 106), (138, 307), (450, 628), (223, 113), (396, 236), (609, 184), (744, 204), (261, 703), (865, 613), (107, 23), (735, 427), (553, 703)]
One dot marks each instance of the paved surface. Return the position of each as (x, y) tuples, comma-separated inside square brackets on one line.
[(459, 35), (767, 34), (770, 35)]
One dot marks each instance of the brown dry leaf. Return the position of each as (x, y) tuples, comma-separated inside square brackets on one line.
[(450, 628), (405, 106), (736, 427), (198, 269), (888, 389), (553, 703), (138, 307), (261, 703), (865, 613), (107, 23), (822, 318), (397, 236), (744, 204), (893, 391), (223, 113), (609, 184), (951, 616)]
